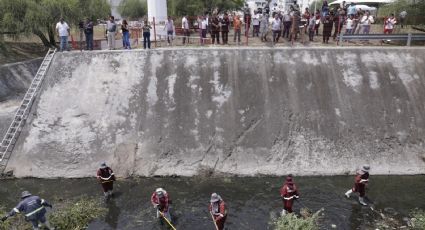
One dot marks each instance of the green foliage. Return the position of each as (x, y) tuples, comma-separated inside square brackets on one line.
[(133, 9), (418, 219), (414, 10), (24, 17), (15, 222), (292, 222), (76, 215), (198, 7)]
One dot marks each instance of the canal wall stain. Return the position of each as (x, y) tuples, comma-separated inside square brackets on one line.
[(307, 111)]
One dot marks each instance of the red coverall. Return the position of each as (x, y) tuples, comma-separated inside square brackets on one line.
[(289, 193), (162, 202), (219, 215), (360, 182), (106, 173)]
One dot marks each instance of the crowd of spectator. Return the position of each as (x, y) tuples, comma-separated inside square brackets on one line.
[(291, 25)]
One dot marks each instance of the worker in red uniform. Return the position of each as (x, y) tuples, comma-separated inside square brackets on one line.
[(161, 201), (289, 193), (106, 178), (218, 210), (360, 182)]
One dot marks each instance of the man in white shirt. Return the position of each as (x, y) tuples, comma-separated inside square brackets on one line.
[(204, 29), (349, 25), (276, 25), (63, 29), (402, 15), (256, 24), (185, 27), (169, 26), (366, 21)]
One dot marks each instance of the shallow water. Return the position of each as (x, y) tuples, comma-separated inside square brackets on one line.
[(251, 201)]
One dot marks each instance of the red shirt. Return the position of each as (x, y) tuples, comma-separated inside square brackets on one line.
[(289, 191), (105, 173), (162, 202)]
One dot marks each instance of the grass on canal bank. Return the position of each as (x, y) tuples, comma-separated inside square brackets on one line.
[(307, 221), (67, 214)]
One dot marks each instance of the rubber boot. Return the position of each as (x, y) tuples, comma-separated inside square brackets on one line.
[(348, 193), (105, 196), (47, 224), (283, 213), (361, 201)]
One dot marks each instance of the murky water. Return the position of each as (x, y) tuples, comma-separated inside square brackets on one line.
[(251, 201)]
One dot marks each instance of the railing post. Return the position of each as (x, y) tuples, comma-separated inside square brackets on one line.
[(154, 31), (409, 39)]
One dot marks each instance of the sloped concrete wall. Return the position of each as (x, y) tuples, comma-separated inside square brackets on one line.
[(312, 111), (15, 79)]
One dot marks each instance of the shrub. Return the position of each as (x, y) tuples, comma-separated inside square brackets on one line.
[(418, 219), (17, 222), (77, 214), (292, 222)]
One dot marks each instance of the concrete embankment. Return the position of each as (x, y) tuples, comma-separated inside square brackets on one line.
[(312, 111), (14, 81)]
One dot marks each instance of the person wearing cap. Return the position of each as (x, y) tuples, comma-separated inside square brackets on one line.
[(360, 182), (218, 210), (106, 177), (161, 201), (289, 193), (33, 207)]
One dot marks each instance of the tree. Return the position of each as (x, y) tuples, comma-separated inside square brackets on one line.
[(39, 17), (197, 7), (414, 10), (133, 9)]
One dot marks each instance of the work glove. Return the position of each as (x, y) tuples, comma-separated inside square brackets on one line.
[(4, 218)]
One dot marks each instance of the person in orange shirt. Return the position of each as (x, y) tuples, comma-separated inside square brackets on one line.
[(237, 25)]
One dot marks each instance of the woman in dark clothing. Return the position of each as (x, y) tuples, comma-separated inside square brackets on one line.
[(327, 29), (125, 35)]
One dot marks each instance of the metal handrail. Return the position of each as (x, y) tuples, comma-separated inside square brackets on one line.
[(396, 37)]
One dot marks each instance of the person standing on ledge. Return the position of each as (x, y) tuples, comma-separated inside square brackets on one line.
[(360, 182), (146, 34), (218, 211), (63, 30), (106, 177), (289, 193), (161, 201), (34, 210), (111, 28)]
